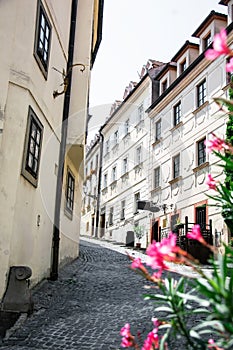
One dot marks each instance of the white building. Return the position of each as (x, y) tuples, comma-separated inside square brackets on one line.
[(125, 163), (44, 44), (182, 118)]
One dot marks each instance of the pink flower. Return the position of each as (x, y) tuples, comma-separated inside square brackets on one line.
[(156, 322), (229, 66), (152, 341), (137, 263), (127, 340), (212, 345), (196, 234), (219, 46), (215, 144), (157, 252), (210, 182)]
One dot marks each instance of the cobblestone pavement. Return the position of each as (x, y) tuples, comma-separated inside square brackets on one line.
[(85, 309), (89, 303)]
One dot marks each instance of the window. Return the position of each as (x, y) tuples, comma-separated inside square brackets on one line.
[(176, 166), (114, 173), (157, 177), (111, 216), (201, 152), (136, 199), (126, 125), (201, 93), (115, 138), (140, 113), (70, 181), (206, 41), (105, 180), (125, 166), (138, 155), (87, 226), (42, 39), (122, 209), (96, 161), (177, 114), (183, 66), (91, 166), (164, 86), (107, 147), (158, 130), (32, 148)]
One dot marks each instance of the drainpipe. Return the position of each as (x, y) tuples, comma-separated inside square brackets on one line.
[(62, 152), (99, 184)]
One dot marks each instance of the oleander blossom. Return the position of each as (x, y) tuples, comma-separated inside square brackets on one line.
[(210, 182), (127, 338), (229, 66), (158, 252), (137, 264), (219, 46), (216, 144), (196, 234), (152, 341)]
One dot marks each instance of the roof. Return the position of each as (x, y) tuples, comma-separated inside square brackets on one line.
[(206, 22), (186, 45), (224, 2)]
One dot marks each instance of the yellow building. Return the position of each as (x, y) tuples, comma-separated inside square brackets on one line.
[(47, 49)]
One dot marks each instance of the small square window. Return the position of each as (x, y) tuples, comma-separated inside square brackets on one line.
[(201, 152), (183, 66), (32, 148), (177, 114), (207, 41), (176, 166), (158, 130), (70, 184), (164, 86), (201, 93), (42, 39)]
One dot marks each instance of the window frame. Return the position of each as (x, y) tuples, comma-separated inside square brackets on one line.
[(125, 165), (40, 52), (140, 113), (164, 85), (158, 130), (156, 177), (183, 66), (201, 93), (26, 170), (207, 41), (110, 218), (123, 206), (136, 199), (177, 114), (69, 193), (176, 166), (201, 150), (139, 155)]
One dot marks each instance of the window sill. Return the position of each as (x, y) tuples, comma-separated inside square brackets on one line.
[(156, 189), (115, 147), (173, 181), (156, 142), (126, 136), (200, 167), (113, 184), (177, 126), (201, 107), (68, 213), (125, 176)]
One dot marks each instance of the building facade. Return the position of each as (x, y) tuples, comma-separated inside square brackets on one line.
[(48, 48)]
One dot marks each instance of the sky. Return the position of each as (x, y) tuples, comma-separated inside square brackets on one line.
[(133, 32)]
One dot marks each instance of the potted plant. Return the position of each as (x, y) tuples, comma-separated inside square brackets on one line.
[(139, 232)]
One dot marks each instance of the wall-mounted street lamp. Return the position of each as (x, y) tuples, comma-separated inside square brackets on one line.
[(66, 78), (89, 194)]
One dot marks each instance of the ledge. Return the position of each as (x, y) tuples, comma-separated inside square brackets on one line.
[(156, 142), (176, 126), (200, 167), (157, 189), (173, 181), (200, 108)]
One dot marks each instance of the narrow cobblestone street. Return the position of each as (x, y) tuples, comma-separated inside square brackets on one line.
[(86, 308)]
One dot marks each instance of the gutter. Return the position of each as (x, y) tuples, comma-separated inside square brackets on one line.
[(62, 152), (99, 184)]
